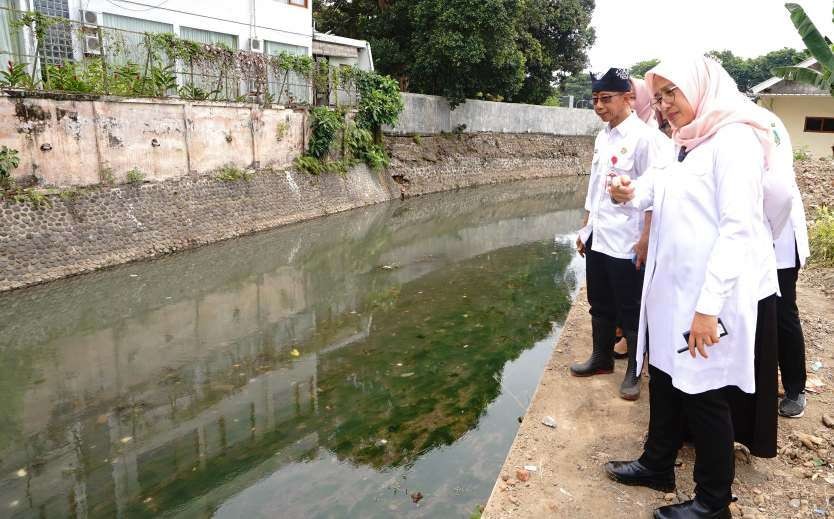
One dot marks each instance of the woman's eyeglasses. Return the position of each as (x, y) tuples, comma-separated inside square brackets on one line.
[(666, 96), (604, 99)]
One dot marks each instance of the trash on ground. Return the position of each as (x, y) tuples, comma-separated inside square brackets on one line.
[(549, 421)]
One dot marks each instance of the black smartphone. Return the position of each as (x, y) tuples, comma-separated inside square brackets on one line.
[(722, 331)]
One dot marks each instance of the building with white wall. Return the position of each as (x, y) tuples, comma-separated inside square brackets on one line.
[(271, 26), (806, 111)]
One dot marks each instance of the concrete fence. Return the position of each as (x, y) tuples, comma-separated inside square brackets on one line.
[(427, 115), (78, 141)]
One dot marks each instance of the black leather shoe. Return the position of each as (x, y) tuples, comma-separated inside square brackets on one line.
[(635, 474), (692, 509)]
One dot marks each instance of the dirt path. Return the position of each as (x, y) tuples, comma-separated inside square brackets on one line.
[(594, 425)]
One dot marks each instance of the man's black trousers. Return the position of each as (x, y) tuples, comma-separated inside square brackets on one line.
[(614, 288)]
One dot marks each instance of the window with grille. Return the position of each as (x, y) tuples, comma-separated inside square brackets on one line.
[(819, 124), (10, 38), (289, 87), (57, 44), (124, 38), (205, 76)]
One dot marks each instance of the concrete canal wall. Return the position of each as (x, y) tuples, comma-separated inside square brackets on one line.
[(84, 225)]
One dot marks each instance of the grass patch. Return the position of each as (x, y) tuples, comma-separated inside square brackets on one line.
[(232, 173)]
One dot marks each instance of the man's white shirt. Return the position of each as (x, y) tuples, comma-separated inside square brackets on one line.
[(630, 148)]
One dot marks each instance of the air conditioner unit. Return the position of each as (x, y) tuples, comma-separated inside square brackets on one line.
[(92, 45), (255, 45), (89, 17)]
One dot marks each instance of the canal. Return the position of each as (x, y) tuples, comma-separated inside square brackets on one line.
[(372, 363)]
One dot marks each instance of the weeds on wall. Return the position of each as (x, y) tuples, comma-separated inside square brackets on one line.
[(355, 143), (135, 176), (232, 173), (9, 161)]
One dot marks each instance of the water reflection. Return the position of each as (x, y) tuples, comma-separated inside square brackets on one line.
[(327, 369)]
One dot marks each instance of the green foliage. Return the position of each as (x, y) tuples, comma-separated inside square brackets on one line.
[(15, 76), (32, 197), (325, 124), (126, 80), (801, 153), (491, 49), (106, 176), (314, 166), (551, 101), (281, 130), (232, 173), (821, 234), (476, 514), (380, 102), (418, 140), (135, 176), (640, 68), (196, 93), (748, 72), (9, 161), (578, 86), (817, 46), (160, 80), (360, 144)]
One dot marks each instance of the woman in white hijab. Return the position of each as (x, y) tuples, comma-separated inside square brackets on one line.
[(710, 262)]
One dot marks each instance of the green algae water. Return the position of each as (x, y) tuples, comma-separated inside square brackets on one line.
[(372, 363)]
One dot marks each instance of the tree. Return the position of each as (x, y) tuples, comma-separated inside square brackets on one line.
[(578, 86), (491, 49), (747, 72), (817, 46), (640, 68)]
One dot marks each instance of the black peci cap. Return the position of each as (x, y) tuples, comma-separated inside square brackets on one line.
[(615, 80)]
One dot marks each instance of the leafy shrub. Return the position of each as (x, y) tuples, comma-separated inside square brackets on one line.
[(15, 76), (9, 160), (822, 238), (135, 176), (325, 124), (380, 102), (360, 144)]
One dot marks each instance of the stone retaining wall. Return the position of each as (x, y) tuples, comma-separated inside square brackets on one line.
[(84, 230)]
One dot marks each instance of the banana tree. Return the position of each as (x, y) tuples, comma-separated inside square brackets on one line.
[(817, 46)]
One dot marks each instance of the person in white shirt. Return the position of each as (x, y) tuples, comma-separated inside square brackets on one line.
[(613, 242), (792, 249), (707, 327)]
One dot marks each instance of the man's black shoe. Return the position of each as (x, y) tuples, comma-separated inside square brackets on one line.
[(635, 474), (692, 509)]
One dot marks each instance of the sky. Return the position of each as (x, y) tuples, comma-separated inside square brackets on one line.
[(629, 31)]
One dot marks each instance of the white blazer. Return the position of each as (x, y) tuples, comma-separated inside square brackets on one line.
[(709, 250)]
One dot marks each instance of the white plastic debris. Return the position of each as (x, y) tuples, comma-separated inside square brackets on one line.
[(549, 421), (531, 468)]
